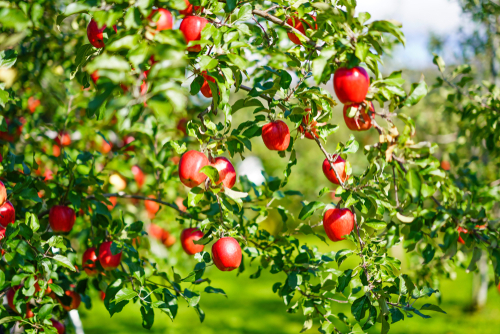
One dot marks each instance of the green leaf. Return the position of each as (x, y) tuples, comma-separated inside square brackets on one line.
[(414, 184), (439, 61), (124, 294), (417, 92), (308, 210), (430, 307), (45, 311), (210, 289), (73, 8), (211, 172), (8, 58), (64, 261), (194, 196), (360, 306)]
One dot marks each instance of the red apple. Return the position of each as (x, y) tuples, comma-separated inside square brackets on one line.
[(191, 27), (205, 88), (361, 121), (94, 76), (155, 231), (299, 25), (444, 165), (138, 175), (58, 326), (10, 301), (276, 135), (127, 141), (189, 235), (189, 168), (95, 34), (63, 139), (13, 132), (181, 126), (3, 193), (48, 175), (152, 207), (227, 174), (226, 254), (312, 125), (339, 165), (106, 147), (102, 295), (351, 84), (56, 150), (189, 9), (338, 223), (113, 201), (70, 301), (2, 232), (88, 261), (33, 103), (168, 239), (61, 218), (179, 202), (106, 258), (165, 21), (1, 158), (7, 214)]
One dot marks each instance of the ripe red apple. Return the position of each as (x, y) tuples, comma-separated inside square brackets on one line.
[(152, 207), (339, 165), (444, 165), (3, 193), (33, 103), (95, 34), (338, 223), (63, 139), (181, 126), (48, 175), (61, 218), (299, 25), (227, 173), (102, 295), (106, 258), (205, 88), (113, 201), (7, 214), (361, 121), (95, 76), (189, 9), (106, 147), (312, 125), (276, 135), (139, 176), (191, 27), (127, 141), (189, 235), (351, 84), (164, 21), (179, 201), (155, 231), (10, 301), (90, 256), (70, 301), (226, 254), (13, 132), (189, 168), (58, 326), (168, 239), (2, 232)]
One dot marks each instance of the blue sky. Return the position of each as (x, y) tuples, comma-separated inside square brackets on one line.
[(419, 18)]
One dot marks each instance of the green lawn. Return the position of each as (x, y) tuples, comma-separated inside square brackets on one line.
[(251, 307)]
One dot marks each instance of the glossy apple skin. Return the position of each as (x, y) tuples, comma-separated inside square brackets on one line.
[(361, 121), (189, 235), (227, 173), (191, 27), (106, 258), (226, 254), (58, 326), (75, 300), (205, 88), (7, 214), (338, 223), (165, 21), (276, 135), (339, 165), (3, 193), (351, 84), (95, 35), (138, 175), (299, 25), (189, 9), (90, 255), (61, 218), (10, 301), (189, 168)]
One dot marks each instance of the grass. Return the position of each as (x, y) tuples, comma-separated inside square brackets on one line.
[(251, 308)]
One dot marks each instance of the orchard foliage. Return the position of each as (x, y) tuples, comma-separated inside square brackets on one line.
[(78, 122)]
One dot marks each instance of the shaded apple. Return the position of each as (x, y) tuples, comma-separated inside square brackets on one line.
[(106, 258), (95, 34), (165, 20), (362, 120), (227, 173), (88, 261), (7, 214), (189, 235), (61, 218)]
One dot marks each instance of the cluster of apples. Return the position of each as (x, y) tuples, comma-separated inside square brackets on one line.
[(193, 161), (72, 295), (106, 258), (191, 27)]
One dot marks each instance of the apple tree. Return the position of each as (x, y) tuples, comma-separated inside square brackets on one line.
[(96, 94)]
